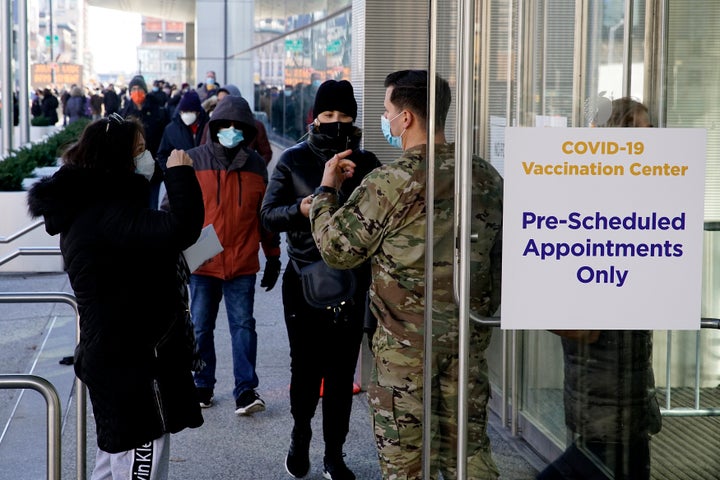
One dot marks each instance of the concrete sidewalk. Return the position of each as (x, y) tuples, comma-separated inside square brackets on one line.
[(36, 336)]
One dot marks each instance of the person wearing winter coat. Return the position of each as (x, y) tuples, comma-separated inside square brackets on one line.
[(316, 334), (136, 350), (77, 106), (111, 100), (233, 179), (49, 106), (185, 129), (260, 143), (154, 118)]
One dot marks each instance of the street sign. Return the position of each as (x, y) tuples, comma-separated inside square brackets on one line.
[(56, 40), (294, 45)]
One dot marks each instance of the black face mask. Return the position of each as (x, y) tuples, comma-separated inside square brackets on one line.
[(336, 129), (327, 139)]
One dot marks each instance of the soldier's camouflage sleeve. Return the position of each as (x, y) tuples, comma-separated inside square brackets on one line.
[(370, 219), (383, 219)]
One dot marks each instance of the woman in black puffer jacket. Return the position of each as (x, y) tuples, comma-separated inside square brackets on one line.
[(136, 349)]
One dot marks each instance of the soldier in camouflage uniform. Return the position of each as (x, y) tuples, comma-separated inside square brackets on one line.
[(385, 220)]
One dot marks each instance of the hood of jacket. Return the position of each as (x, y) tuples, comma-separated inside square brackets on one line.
[(236, 109), (60, 198)]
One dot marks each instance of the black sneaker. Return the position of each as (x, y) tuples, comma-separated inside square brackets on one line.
[(205, 396), (335, 469), (249, 402), (297, 461)]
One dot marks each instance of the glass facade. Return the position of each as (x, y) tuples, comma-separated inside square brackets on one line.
[(552, 64), (297, 43), (549, 64)]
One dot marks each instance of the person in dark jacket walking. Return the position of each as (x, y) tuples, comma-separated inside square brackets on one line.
[(185, 129), (111, 100), (124, 263), (78, 105), (49, 106), (154, 118), (324, 348), (233, 179)]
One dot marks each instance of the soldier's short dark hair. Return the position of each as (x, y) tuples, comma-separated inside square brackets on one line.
[(410, 89)]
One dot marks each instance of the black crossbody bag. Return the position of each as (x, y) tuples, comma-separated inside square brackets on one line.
[(326, 287)]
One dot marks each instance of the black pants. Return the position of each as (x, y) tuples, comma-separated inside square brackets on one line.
[(322, 347)]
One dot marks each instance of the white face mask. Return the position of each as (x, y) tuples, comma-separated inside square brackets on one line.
[(145, 164), (188, 118)]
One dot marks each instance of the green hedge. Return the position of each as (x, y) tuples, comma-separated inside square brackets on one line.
[(19, 164)]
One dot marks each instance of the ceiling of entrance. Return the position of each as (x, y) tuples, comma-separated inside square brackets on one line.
[(184, 10), (178, 10)]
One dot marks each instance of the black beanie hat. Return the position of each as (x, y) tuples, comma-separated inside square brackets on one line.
[(139, 81), (334, 95), (190, 102)]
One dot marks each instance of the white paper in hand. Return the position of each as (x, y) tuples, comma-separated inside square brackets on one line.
[(206, 247)]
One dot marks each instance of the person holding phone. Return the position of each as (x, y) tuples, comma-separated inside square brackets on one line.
[(324, 346)]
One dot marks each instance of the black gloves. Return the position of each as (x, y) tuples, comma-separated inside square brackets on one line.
[(272, 272)]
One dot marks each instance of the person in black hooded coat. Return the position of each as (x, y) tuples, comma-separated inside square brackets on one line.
[(136, 350), (185, 130)]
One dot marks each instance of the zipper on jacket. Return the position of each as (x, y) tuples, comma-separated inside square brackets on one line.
[(217, 180), (159, 404), (239, 179)]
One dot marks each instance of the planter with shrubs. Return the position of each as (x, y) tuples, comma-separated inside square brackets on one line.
[(20, 163)]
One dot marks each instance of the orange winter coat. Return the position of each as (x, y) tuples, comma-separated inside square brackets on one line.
[(233, 183)]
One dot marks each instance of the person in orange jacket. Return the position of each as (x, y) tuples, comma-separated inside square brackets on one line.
[(233, 178)]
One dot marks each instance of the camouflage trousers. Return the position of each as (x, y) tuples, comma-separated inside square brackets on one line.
[(396, 394)]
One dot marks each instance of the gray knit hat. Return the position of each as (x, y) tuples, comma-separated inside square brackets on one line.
[(139, 81)]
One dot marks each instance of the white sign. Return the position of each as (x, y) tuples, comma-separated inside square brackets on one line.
[(603, 228)]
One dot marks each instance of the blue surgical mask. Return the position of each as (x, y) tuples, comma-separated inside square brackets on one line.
[(230, 137), (210, 81), (395, 141), (316, 83)]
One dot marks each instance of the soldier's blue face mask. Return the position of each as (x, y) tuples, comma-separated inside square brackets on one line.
[(394, 140)]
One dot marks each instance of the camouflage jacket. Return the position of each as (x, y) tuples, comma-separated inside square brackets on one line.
[(385, 220)]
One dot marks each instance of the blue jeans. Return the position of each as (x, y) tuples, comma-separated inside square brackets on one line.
[(205, 295)]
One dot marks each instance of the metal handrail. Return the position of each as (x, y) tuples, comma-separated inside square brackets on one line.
[(22, 231), (69, 299), (696, 411), (487, 321), (705, 322), (30, 251), (49, 393)]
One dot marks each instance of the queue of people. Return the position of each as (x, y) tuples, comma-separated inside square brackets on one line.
[(341, 210)]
